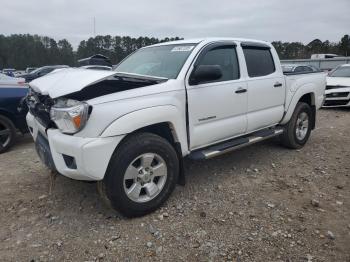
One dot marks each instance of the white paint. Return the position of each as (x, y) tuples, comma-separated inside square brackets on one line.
[(216, 112), (339, 90), (8, 81), (344, 87)]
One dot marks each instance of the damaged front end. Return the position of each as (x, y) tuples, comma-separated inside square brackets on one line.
[(114, 84), (55, 106), (68, 115), (39, 106)]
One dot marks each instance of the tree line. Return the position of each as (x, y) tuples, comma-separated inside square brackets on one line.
[(297, 50), (21, 51), (24, 50)]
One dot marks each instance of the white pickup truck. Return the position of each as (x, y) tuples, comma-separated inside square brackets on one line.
[(130, 128)]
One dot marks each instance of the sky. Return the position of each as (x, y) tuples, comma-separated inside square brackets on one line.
[(285, 20)]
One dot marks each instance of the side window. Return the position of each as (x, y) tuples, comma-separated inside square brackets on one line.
[(307, 69), (44, 71), (259, 61), (226, 58), (299, 69)]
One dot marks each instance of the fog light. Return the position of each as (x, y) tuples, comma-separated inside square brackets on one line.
[(70, 161)]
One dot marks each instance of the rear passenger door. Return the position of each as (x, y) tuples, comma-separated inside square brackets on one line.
[(266, 86), (217, 109)]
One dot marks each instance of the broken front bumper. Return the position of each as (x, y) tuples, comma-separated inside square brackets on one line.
[(75, 157)]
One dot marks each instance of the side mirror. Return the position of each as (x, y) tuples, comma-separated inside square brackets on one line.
[(205, 73)]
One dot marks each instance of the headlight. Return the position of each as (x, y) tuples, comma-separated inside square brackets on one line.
[(69, 115)]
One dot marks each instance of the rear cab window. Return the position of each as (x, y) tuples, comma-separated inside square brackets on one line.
[(259, 59)]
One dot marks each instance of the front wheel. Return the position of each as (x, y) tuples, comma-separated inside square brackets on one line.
[(297, 130), (141, 175)]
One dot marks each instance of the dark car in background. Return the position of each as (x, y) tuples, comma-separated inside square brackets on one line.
[(13, 110), (30, 69), (301, 69), (95, 60), (41, 72)]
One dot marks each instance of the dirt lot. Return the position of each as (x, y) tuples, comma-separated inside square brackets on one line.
[(262, 203)]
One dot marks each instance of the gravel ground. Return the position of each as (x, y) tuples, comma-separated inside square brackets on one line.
[(261, 203)]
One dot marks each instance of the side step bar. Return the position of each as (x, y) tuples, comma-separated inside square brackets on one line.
[(234, 144)]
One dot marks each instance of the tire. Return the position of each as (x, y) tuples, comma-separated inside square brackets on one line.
[(296, 133), (135, 167), (7, 133)]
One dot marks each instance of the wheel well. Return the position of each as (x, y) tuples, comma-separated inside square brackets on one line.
[(310, 100), (167, 131), (8, 115), (164, 130)]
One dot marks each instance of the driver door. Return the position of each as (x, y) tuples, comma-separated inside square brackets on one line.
[(217, 109)]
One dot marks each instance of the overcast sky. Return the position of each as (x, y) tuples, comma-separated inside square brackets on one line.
[(297, 20)]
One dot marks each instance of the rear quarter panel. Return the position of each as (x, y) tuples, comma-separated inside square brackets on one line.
[(301, 84)]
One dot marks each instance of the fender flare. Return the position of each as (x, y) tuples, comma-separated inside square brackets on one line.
[(303, 90), (144, 117)]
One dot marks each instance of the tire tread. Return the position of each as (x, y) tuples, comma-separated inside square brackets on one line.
[(130, 146), (288, 138)]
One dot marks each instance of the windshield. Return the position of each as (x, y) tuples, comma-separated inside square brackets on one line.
[(341, 72), (36, 70), (160, 61)]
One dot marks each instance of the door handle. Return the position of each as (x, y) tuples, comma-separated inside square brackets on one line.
[(240, 90), (277, 84)]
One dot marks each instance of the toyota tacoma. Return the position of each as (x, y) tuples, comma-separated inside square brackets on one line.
[(129, 129)]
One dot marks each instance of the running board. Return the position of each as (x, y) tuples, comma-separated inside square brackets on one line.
[(234, 144)]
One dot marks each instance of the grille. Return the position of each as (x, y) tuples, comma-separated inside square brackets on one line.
[(336, 102), (39, 106), (334, 87), (339, 94)]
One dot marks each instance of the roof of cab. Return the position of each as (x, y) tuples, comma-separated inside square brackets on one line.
[(211, 39)]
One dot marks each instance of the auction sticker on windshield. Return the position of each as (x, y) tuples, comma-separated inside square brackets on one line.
[(182, 48)]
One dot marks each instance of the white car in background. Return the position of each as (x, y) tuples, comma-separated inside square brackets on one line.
[(338, 87), (7, 81)]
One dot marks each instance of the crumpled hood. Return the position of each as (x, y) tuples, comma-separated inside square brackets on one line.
[(338, 81), (67, 81)]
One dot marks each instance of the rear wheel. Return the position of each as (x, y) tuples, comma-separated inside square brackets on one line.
[(141, 175), (7, 133), (297, 130)]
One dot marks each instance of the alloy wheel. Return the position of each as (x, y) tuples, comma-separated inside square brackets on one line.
[(145, 177)]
